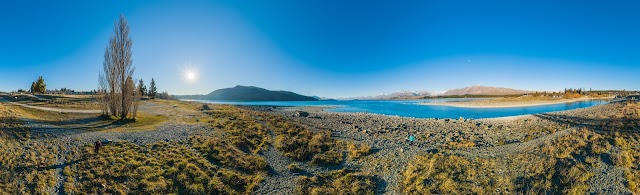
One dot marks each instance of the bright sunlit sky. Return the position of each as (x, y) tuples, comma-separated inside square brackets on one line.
[(328, 48)]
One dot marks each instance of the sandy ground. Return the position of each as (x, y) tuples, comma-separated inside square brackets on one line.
[(58, 109), (506, 103)]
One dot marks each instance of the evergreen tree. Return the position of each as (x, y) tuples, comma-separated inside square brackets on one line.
[(40, 86), (33, 87), (153, 91), (142, 88)]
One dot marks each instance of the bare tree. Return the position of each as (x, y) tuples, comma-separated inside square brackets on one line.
[(101, 95), (128, 94), (138, 92), (117, 69)]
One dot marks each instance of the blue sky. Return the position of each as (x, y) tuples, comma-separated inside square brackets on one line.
[(328, 48)]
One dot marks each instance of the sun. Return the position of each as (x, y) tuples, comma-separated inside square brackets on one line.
[(190, 75)]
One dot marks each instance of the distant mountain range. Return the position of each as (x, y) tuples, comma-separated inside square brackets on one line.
[(473, 90), (249, 93), (484, 90), (396, 95)]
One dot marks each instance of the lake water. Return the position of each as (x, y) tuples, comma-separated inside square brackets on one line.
[(412, 108)]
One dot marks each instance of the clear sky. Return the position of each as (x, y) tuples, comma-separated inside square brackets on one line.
[(328, 48)]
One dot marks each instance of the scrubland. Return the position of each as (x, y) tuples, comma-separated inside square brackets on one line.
[(225, 156)]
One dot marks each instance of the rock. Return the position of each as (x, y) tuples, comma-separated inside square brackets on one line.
[(301, 114)]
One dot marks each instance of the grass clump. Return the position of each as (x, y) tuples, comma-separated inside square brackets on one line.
[(245, 132), (337, 182), (224, 153), (450, 174), (628, 158), (357, 151), (294, 167), (160, 168), (305, 145), (23, 162)]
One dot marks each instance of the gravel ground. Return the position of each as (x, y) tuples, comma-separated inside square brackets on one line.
[(388, 135)]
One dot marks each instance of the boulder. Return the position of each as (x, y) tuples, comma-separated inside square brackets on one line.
[(301, 114)]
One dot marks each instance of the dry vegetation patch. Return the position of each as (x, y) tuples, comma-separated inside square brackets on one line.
[(337, 182), (562, 165), (24, 165), (222, 152), (451, 174), (241, 127), (160, 168), (303, 144)]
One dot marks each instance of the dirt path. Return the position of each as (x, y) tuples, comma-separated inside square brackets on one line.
[(58, 109), (280, 179)]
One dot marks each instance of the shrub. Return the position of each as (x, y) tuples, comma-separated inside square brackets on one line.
[(337, 182), (304, 145), (293, 167)]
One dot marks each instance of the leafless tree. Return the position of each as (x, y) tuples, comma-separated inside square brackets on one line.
[(102, 95), (136, 99), (128, 94), (117, 69)]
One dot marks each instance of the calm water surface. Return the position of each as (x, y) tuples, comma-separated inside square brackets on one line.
[(412, 108)]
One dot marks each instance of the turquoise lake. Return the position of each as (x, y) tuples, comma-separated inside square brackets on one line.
[(412, 108)]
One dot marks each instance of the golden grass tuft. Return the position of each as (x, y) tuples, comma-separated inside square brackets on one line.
[(224, 153), (357, 151), (450, 174), (337, 182), (305, 145), (159, 168)]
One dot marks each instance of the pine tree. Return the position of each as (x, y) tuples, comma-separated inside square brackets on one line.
[(142, 88), (153, 91), (40, 86), (33, 87)]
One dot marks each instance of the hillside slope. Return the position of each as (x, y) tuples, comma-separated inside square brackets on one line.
[(484, 90), (250, 93)]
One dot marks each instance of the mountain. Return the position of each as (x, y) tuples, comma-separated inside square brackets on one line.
[(395, 95), (250, 93), (403, 95), (484, 90)]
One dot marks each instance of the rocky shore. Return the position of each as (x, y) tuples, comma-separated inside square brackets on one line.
[(506, 102), (389, 135)]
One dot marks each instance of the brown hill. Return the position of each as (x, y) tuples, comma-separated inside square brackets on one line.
[(484, 90)]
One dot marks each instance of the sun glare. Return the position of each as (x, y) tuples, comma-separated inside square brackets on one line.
[(190, 76)]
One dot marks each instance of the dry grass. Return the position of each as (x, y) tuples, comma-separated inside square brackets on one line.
[(451, 174), (143, 122), (629, 158), (357, 151), (461, 144), (241, 126), (57, 118), (222, 152), (559, 166), (305, 145), (160, 168), (23, 165), (222, 161), (337, 182)]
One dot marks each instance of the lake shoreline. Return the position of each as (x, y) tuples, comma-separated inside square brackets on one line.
[(414, 109), (499, 103)]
